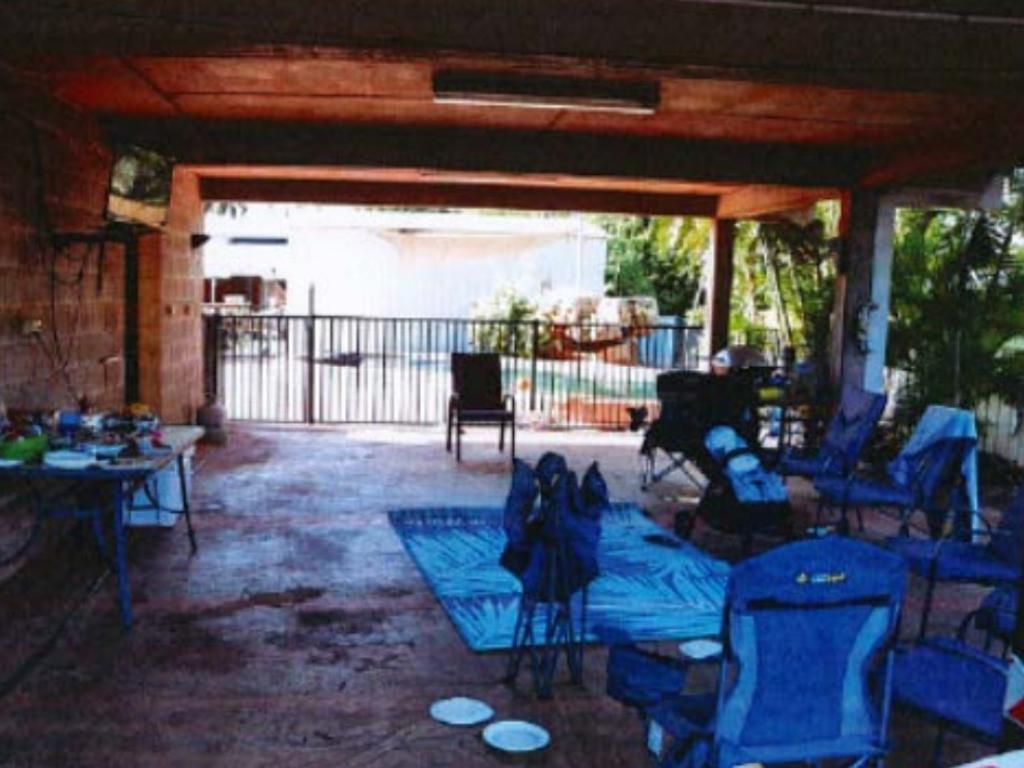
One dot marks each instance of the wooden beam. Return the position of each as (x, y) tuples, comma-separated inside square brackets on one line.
[(433, 195), (755, 201), (996, 146), (719, 298), (849, 44), (496, 151)]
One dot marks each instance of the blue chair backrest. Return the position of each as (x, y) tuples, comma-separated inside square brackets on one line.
[(1008, 541), (805, 626), (930, 469), (851, 428), (943, 436)]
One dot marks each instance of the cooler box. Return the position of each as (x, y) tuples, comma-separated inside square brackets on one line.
[(165, 488)]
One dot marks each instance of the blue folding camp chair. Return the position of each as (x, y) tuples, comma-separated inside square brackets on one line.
[(552, 550), (941, 456), (847, 434), (954, 685), (995, 618), (993, 560), (808, 636)]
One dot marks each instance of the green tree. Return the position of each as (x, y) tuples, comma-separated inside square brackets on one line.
[(958, 304), (657, 256), (501, 327)]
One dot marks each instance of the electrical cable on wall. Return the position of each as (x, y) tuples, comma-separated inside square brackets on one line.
[(64, 265)]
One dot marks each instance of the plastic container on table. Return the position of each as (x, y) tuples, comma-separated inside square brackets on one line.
[(27, 449)]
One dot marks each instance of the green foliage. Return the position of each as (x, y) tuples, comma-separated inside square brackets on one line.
[(142, 175), (751, 300), (234, 210), (784, 278), (657, 256), (506, 335), (958, 305)]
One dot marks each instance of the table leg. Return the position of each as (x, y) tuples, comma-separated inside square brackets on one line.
[(120, 558), (184, 502)]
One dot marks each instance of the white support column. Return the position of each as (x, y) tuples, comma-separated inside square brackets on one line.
[(881, 288), (862, 291)]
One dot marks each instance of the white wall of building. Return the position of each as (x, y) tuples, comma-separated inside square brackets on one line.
[(407, 264)]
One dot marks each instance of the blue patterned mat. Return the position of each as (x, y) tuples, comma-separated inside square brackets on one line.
[(645, 591)]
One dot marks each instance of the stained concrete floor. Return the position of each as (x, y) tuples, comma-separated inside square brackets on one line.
[(302, 634)]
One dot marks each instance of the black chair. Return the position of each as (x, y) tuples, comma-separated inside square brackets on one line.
[(477, 399)]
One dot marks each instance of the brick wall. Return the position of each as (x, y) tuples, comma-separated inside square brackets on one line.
[(54, 170), (170, 308)]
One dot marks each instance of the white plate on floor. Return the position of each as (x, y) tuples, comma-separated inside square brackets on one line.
[(460, 710), (8, 463), (700, 649), (516, 736)]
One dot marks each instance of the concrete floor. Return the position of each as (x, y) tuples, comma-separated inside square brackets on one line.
[(302, 634)]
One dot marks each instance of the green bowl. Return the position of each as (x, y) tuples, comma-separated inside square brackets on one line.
[(26, 449)]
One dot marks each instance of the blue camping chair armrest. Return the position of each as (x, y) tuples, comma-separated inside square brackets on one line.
[(955, 647), (642, 679), (846, 467)]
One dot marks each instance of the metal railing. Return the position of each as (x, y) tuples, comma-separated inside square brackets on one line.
[(344, 369)]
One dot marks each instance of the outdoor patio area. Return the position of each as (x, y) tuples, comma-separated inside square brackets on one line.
[(303, 634)]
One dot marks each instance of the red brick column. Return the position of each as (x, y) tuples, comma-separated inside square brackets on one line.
[(170, 304)]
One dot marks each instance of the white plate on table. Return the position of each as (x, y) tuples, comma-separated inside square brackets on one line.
[(516, 736), (105, 451), (460, 710), (68, 460), (9, 463)]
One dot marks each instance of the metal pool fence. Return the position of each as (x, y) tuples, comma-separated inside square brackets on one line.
[(343, 369), (1000, 425)]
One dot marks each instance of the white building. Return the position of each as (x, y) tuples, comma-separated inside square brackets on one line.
[(398, 264)]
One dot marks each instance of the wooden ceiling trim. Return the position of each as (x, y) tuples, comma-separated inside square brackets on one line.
[(529, 152), (433, 195)]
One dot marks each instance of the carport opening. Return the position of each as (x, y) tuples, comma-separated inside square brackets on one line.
[(341, 314)]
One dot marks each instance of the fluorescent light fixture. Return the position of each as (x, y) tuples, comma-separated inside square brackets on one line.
[(256, 240), (634, 97)]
